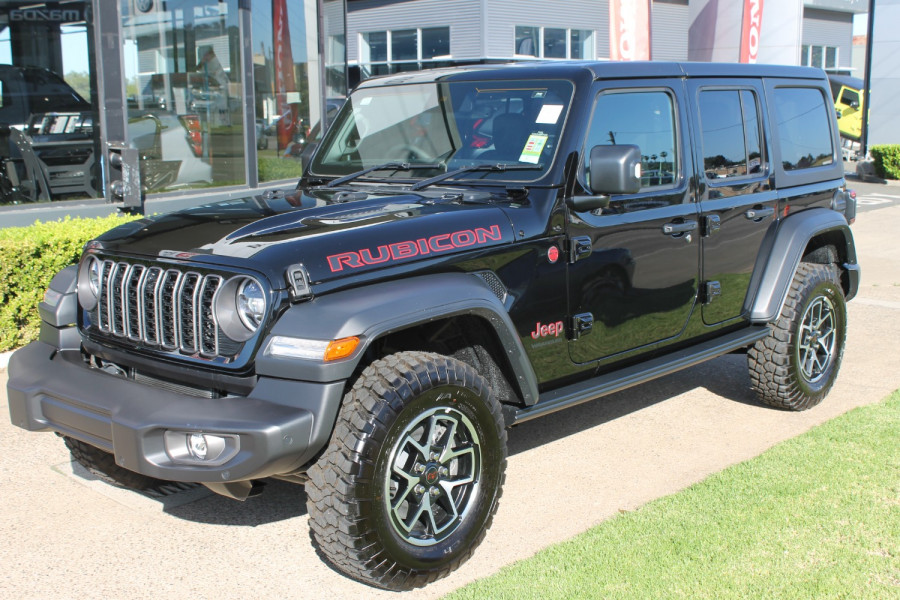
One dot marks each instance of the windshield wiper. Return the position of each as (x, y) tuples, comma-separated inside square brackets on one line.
[(391, 166), (498, 167)]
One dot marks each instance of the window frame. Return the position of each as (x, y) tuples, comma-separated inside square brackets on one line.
[(810, 175), (678, 144), (765, 158)]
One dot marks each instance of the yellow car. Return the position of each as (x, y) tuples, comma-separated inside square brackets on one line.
[(848, 96)]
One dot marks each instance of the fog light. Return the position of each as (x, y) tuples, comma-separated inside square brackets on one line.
[(196, 448)]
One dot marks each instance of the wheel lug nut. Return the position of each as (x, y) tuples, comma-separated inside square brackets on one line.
[(444, 471), (435, 491), (419, 489), (435, 456), (419, 468)]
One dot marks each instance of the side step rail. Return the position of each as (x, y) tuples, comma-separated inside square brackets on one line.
[(621, 379)]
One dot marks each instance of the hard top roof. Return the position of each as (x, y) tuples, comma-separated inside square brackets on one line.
[(595, 69)]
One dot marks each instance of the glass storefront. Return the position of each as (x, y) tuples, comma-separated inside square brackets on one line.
[(183, 86), (217, 93), (48, 141)]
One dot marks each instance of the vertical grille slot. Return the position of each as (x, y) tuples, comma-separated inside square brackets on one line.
[(187, 312), (209, 328), (167, 309), (117, 299), (134, 302), (150, 305), (162, 308)]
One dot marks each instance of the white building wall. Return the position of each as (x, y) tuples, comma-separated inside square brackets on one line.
[(462, 16), (669, 23), (829, 28), (501, 18), (884, 119)]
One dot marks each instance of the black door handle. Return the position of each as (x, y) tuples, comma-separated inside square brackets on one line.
[(676, 228), (755, 214)]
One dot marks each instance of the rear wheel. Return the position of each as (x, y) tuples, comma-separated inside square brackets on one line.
[(410, 481), (796, 365)]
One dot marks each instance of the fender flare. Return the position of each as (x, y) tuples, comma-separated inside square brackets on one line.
[(790, 241), (372, 311)]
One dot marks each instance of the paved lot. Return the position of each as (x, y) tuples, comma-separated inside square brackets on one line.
[(64, 535)]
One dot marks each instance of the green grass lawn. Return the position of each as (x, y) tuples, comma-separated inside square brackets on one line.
[(817, 516)]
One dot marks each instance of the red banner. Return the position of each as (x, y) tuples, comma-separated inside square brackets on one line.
[(629, 29), (750, 27), (284, 75)]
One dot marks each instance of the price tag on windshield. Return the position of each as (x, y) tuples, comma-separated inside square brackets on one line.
[(533, 148)]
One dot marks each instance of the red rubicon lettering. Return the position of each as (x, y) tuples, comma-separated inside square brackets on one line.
[(443, 242), (403, 250), (350, 259), (384, 255)]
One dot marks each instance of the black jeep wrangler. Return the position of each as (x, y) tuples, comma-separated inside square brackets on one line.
[(467, 250)]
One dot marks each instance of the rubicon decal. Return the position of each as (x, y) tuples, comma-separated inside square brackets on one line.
[(547, 329), (444, 242)]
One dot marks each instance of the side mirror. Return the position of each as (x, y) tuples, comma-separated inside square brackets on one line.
[(615, 169)]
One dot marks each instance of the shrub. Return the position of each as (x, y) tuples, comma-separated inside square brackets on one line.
[(29, 258), (887, 160), (274, 169)]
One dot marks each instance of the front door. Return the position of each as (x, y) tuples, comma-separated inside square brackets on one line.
[(634, 265)]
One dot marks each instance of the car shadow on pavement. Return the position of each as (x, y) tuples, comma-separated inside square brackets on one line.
[(279, 501), (725, 376)]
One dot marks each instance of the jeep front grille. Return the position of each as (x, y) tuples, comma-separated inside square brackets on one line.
[(165, 308)]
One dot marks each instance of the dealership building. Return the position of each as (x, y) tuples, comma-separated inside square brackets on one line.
[(158, 104)]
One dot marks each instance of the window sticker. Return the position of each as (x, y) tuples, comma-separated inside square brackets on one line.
[(533, 148), (549, 114)]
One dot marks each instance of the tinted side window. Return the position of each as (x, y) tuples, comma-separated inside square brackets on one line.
[(804, 132), (730, 128), (645, 119)]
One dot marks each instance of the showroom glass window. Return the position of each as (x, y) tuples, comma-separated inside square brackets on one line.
[(291, 101), (184, 92), (48, 138)]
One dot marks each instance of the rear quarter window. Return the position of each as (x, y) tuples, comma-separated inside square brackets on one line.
[(803, 128)]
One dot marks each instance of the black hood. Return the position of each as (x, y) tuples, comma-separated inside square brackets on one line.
[(332, 233)]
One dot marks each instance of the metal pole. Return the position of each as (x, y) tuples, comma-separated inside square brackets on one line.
[(870, 28)]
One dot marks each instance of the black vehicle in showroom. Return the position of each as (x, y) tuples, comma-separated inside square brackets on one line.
[(468, 249)]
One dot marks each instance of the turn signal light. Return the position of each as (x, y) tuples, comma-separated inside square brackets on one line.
[(341, 348)]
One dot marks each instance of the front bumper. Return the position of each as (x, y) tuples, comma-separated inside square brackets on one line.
[(281, 425)]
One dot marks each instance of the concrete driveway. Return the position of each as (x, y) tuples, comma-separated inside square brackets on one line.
[(66, 536)]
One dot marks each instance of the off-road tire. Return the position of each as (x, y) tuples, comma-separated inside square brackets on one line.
[(355, 513), (777, 372), (103, 465)]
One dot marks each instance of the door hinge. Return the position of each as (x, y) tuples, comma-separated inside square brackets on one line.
[(580, 247), (582, 325), (709, 291), (711, 225)]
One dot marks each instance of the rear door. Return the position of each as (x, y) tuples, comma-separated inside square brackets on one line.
[(737, 197), (634, 265)]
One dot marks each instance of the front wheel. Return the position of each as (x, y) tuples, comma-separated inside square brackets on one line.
[(796, 365), (410, 481)]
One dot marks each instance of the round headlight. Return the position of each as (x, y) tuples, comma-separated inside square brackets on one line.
[(94, 276), (89, 282), (250, 303)]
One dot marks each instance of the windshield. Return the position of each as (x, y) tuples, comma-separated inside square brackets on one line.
[(449, 126)]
